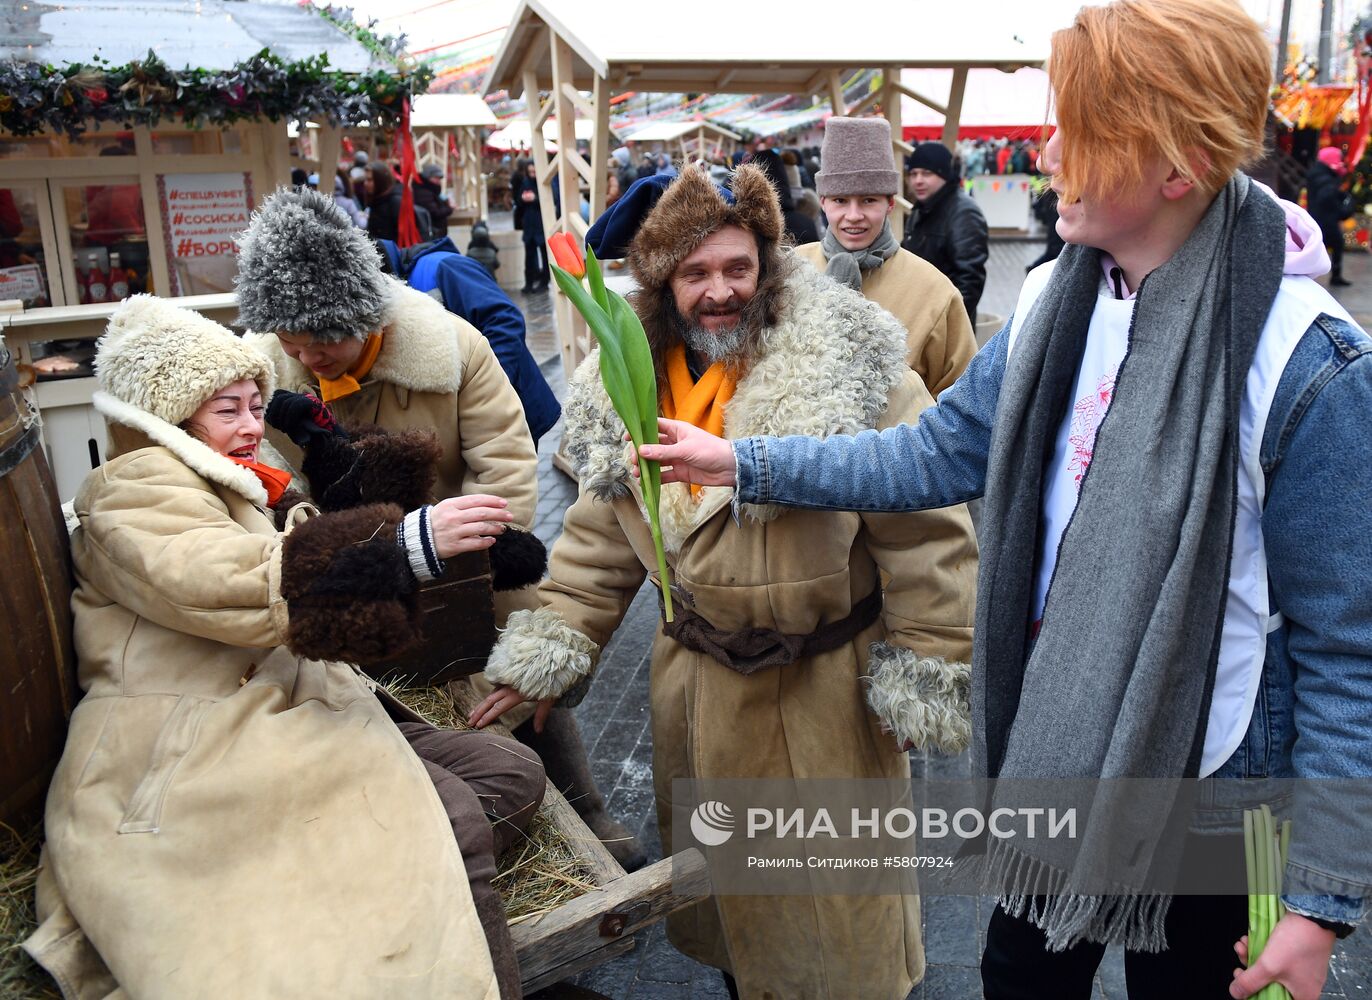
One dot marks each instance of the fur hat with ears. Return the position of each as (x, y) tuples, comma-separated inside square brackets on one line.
[(690, 210), (166, 361), (303, 267)]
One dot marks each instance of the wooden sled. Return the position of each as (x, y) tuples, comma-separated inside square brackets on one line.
[(600, 925)]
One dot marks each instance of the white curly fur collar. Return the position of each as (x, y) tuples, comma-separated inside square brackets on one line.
[(420, 351), (828, 367), (200, 458)]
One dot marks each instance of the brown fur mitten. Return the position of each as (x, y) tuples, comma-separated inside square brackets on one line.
[(288, 501), (372, 465), (348, 587)]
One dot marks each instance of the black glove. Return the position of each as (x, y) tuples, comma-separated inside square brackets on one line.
[(364, 464), (518, 559), (302, 418)]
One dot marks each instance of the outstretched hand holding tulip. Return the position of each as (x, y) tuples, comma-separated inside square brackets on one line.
[(687, 454), (626, 369)]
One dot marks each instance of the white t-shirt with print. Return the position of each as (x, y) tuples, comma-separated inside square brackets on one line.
[(1247, 615)]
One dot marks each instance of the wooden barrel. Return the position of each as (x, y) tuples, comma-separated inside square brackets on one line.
[(37, 666)]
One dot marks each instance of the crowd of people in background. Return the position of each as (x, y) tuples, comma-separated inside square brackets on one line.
[(946, 227), (998, 156)]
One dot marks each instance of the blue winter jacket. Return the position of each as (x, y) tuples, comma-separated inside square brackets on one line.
[(468, 290), (1313, 716)]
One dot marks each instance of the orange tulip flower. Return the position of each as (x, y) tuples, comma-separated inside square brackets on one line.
[(567, 255)]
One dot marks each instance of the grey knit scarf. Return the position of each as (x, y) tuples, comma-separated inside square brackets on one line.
[(1117, 683), (846, 266)]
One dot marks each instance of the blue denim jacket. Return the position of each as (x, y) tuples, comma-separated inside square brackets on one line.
[(1313, 716)]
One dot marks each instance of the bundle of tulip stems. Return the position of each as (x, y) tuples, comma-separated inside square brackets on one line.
[(1264, 852), (626, 368)]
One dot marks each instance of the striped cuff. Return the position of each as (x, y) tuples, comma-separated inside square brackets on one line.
[(416, 536)]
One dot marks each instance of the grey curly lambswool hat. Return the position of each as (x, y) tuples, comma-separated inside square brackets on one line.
[(303, 267)]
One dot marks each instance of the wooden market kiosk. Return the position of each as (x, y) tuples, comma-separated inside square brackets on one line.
[(448, 133), (693, 139), (109, 191), (447, 130), (568, 60)]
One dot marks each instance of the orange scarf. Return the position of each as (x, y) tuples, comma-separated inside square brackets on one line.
[(274, 481), (699, 403), (347, 383)]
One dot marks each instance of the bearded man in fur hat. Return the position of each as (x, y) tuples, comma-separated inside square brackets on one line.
[(376, 352), (748, 341)]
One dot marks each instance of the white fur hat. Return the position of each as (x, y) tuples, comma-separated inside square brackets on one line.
[(166, 360)]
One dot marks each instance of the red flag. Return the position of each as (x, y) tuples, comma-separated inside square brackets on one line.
[(407, 234), (1360, 135)]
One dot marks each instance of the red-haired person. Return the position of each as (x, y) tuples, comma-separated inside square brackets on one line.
[(1175, 580)]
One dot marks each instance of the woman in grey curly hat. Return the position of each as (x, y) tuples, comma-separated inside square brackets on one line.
[(235, 812), (374, 351)]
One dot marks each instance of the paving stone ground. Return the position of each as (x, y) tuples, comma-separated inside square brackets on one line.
[(614, 723)]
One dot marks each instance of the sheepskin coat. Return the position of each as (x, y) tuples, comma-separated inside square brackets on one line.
[(229, 819), (435, 372), (834, 364), (939, 339)]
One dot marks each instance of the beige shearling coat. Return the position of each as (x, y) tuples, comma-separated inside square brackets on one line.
[(230, 820), (836, 363), (939, 337)]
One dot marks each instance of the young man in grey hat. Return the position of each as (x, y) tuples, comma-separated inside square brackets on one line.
[(947, 228), (857, 186)]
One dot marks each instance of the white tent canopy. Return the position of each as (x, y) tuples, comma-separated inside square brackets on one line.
[(753, 50), (517, 135), (992, 99), (451, 111)]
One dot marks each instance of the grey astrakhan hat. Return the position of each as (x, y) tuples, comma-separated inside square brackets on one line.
[(303, 267)]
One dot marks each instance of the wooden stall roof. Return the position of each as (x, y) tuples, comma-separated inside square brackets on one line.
[(750, 48), (668, 131), (207, 34), (517, 134), (450, 111)]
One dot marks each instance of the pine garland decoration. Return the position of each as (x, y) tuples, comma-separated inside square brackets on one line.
[(38, 97)]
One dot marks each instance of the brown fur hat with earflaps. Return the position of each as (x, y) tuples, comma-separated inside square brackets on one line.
[(690, 210)]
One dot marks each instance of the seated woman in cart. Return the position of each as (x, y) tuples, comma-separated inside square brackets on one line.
[(236, 813)]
